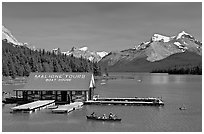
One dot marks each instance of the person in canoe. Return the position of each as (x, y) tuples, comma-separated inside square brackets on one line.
[(93, 114), (111, 116), (104, 116)]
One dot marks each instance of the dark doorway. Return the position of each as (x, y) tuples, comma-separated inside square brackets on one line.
[(64, 95), (68, 99), (25, 95)]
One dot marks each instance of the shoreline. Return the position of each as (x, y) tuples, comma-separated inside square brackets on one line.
[(7, 80)]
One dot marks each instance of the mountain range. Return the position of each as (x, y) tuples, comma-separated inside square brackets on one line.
[(160, 52), (85, 53), (76, 52)]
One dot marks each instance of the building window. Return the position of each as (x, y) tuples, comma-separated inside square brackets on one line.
[(78, 92), (49, 92), (30, 92)]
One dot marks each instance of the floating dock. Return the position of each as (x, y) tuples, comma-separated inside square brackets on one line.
[(68, 107), (40, 104), (126, 101)]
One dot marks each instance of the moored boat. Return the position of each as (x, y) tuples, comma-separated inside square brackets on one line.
[(102, 119)]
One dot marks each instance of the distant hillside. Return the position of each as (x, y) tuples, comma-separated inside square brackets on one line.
[(85, 53), (142, 65), (161, 52)]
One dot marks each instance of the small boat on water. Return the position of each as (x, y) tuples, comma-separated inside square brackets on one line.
[(102, 119), (182, 108), (103, 83)]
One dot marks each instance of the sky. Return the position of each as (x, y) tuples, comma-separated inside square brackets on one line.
[(111, 26)]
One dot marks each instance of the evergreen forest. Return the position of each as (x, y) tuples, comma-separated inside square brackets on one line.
[(187, 69), (21, 60)]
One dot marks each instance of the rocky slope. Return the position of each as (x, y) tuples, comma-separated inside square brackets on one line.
[(9, 38), (156, 53)]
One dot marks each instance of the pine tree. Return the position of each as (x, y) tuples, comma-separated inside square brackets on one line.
[(5, 69), (96, 69), (57, 67), (27, 70), (12, 69)]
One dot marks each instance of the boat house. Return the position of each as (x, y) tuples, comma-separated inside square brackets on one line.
[(61, 87)]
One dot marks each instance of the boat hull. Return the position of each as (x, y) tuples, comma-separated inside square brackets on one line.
[(102, 119)]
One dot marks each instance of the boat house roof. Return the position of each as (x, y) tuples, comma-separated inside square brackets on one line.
[(59, 81)]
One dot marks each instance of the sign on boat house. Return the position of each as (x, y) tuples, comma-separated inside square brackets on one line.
[(61, 87)]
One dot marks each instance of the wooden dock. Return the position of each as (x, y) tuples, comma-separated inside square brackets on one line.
[(68, 107), (34, 105), (126, 101)]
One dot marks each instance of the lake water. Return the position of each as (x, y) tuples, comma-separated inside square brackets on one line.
[(175, 90)]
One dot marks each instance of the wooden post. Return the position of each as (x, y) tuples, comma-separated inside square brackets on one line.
[(85, 97), (70, 96), (55, 95), (89, 93), (41, 95), (25, 95), (16, 94)]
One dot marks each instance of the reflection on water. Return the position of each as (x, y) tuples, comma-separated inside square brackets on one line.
[(175, 91), (155, 79)]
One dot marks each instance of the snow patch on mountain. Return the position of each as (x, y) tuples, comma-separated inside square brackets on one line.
[(160, 47), (83, 48), (158, 37), (142, 46), (6, 34), (85, 53), (102, 54), (180, 45), (56, 50), (91, 58), (181, 34)]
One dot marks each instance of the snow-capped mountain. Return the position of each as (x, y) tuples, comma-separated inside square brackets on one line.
[(102, 53), (160, 46), (149, 54), (77, 52), (85, 53), (6, 34), (56, 50), (83, 49)]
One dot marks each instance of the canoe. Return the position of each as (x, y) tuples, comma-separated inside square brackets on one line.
[(102, 119)]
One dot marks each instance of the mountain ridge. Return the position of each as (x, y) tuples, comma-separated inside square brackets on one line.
[(156, 50), (159, 50), (9, 37), (84, 52), (94, 56)]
